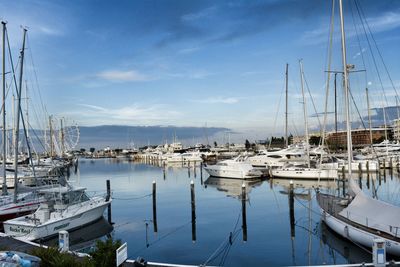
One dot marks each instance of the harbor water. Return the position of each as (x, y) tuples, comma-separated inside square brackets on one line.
[(269, 227)]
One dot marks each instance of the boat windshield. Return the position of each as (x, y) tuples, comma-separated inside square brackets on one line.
[(73, 197)]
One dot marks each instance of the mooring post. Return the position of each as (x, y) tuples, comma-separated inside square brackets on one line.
[(344, 179), (201, 170), (188, 167), (193, 204), (194, 169), (108, 197), (291, 209), (154, 207), (360, 175), (244, 222)]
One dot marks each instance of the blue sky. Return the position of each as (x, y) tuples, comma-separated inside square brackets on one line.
[(191, 63)]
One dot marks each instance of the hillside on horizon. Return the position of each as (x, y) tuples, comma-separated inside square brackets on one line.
[(121, 136)]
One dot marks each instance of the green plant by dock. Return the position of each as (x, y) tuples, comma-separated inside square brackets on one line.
[(103, 255)]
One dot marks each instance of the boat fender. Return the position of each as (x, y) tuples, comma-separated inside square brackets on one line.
[(140, 262)]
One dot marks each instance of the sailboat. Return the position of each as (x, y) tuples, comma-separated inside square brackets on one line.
[(304, 172), (357, 216), (24, 203)]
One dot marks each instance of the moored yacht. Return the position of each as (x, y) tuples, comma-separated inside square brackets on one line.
[(233, 168), (64, 209)]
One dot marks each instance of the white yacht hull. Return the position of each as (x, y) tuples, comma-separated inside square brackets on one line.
[(231, 173), (304, 173), (52, 227), (358, 235)]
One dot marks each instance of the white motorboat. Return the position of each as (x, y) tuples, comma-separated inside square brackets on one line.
[(275, 159), (65, 209), (233, 168), (183, 157)]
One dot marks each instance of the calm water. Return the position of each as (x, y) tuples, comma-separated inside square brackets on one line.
[(270, 238)]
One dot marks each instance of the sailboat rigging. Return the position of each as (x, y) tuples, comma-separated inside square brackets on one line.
[(355, 215)]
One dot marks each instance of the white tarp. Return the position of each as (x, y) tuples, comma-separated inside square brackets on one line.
[(373, 213)]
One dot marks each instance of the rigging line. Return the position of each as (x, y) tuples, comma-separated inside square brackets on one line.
[(359, 45), (313, 103), (276, 118), (359, 115), (36, 77), (372, 54), (329, 55), (376, 46)]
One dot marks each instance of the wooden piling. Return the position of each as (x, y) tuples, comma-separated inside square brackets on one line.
[(194, 169), (344, 180), (193, 204), (244, 221), (108, 197), (155, 207), (360, 175), (201, 170)]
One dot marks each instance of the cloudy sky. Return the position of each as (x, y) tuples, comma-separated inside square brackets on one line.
[(191, 63)]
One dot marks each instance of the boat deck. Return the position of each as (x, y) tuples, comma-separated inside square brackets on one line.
[(331, 204), (9, 243)]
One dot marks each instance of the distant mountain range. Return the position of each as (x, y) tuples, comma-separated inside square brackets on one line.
[(119, 136)]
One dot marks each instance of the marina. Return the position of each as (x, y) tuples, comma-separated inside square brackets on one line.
[(316, 183)]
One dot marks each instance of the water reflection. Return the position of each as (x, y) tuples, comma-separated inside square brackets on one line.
[(232, 187), (339, 245), (84, 238)]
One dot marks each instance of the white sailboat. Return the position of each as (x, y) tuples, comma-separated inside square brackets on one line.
[(305, 171), (357, 216)]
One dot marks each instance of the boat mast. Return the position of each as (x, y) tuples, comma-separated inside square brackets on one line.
[(305, 112), (286, 113), (335, 104), (369, 117), (346, 90), (4, 187), (17, 117)]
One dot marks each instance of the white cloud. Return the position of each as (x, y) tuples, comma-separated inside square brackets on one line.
[(90, 114), (199, 15), (122, 76), (385, 22), (219, 100)]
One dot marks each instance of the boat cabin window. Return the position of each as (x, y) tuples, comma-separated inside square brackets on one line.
[(74, 197), (275, 156)]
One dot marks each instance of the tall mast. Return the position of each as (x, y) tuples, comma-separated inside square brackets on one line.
[(286, 113), (346, 90), (19, 89), (4, 188), (305, 112), (335, 104), (369, 117)]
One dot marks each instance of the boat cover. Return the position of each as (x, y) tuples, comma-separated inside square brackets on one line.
[(373, 213)]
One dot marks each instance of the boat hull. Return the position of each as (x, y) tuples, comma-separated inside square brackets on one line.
[(234, 174), (304, 173), (356, 234)]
